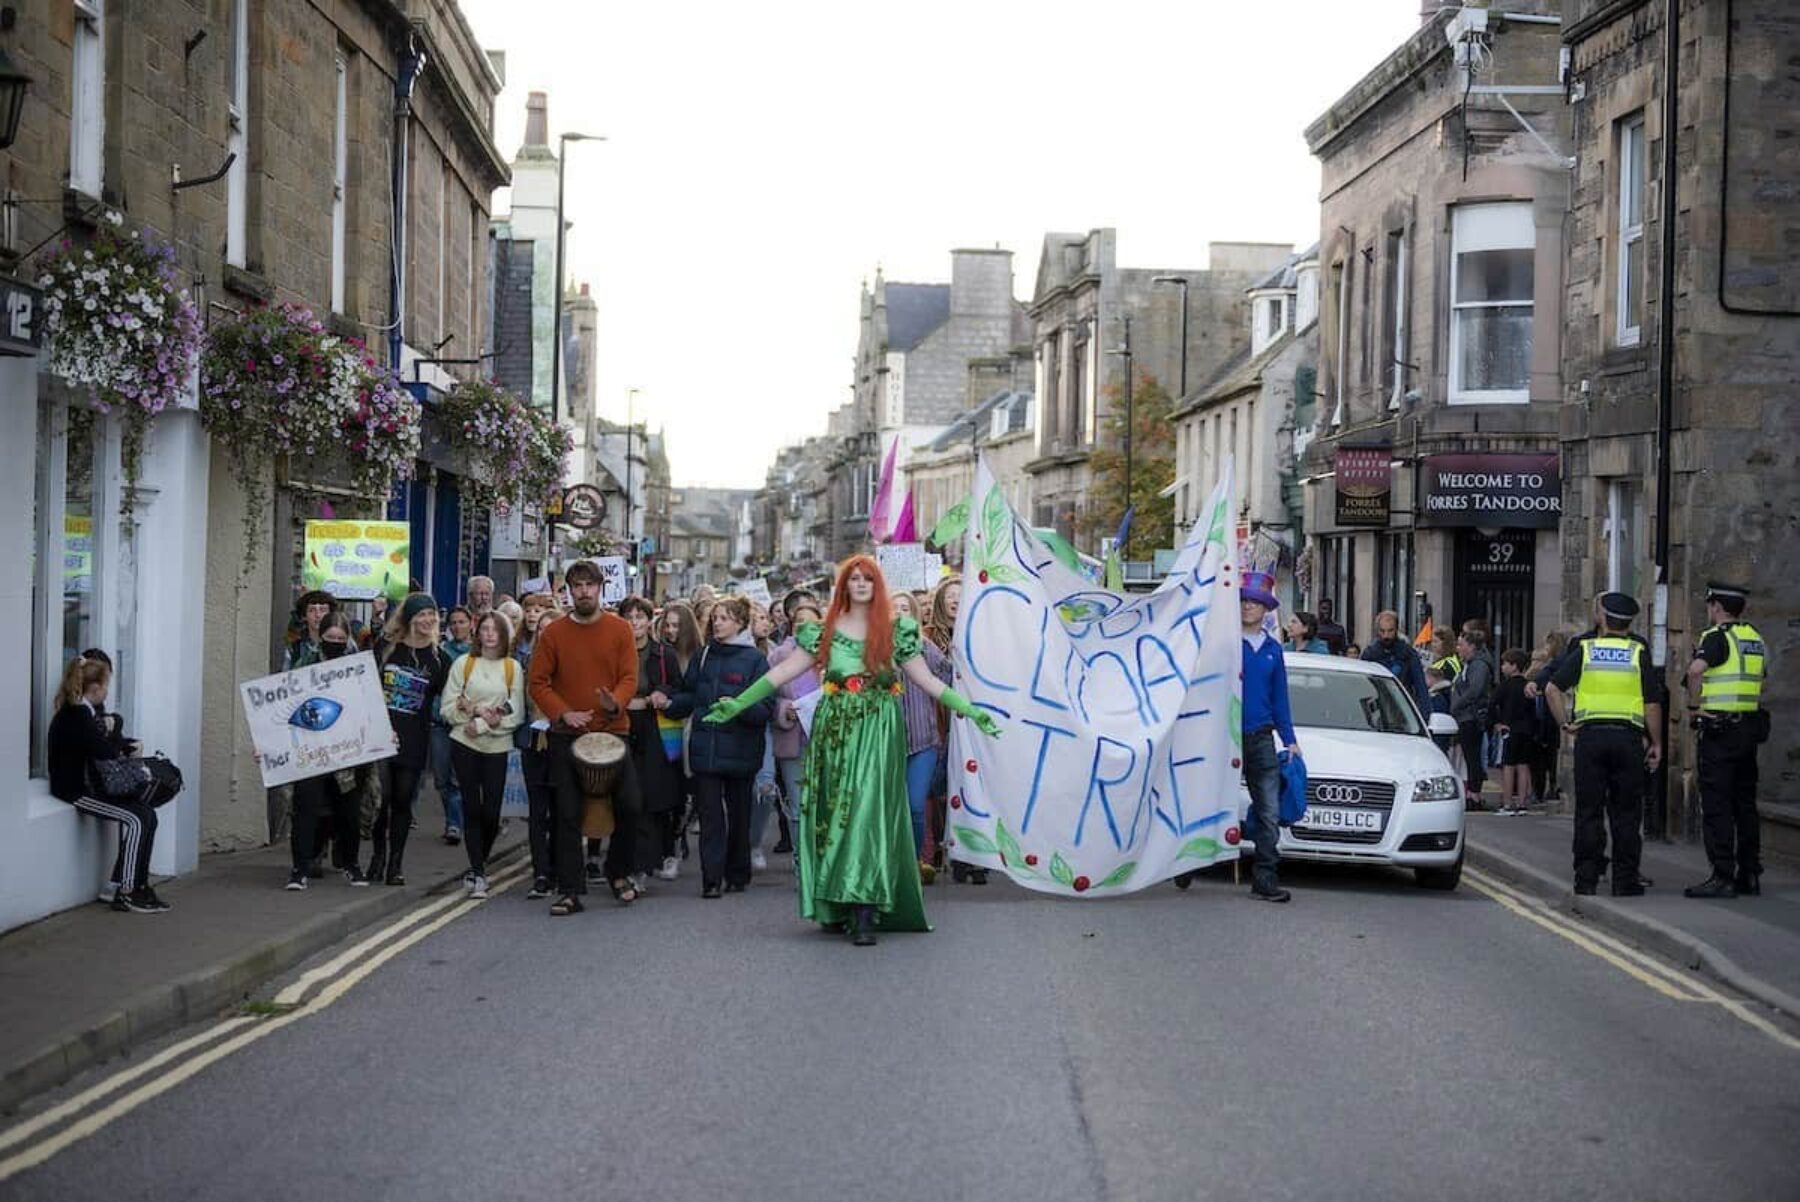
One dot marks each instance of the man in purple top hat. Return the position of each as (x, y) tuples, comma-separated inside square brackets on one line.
[(1265, 713)]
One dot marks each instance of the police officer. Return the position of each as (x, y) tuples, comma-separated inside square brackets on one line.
[(1617, 721), (1726, 676)]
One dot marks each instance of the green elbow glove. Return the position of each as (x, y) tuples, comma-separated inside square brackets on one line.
[(728, 708), (956, 703)]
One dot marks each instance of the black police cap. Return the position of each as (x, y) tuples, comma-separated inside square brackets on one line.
[(1622, 606)]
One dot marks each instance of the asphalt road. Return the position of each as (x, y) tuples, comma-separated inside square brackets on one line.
[(1369, 1041)]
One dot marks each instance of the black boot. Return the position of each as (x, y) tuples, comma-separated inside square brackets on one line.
[(395, 876), (378, 864), (1748, 884), (1716, 885), (864, 928)]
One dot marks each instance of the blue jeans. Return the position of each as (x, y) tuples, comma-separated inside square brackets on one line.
[(1262, 774), (443, 773), (920, 767), (764, 791)]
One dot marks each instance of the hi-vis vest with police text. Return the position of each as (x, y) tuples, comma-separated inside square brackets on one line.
[(1735, 686), (1612, 681)]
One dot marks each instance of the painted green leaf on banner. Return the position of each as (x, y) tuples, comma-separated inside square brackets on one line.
[(1237, 723), (1009, 846), (951, 526), (1005, 573), (996, 523), (1060, 870), (1217, 533), (1119, 875), (1200, 848), (975, 840)]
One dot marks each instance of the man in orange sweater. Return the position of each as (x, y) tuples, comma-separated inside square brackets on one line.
[(583, 674)]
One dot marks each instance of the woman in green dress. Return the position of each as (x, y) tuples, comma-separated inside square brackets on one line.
[(856, 860)]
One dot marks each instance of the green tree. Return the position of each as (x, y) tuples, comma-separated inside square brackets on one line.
[(1152, 469)]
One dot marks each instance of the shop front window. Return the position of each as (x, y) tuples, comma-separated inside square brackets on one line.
[(66, 569)]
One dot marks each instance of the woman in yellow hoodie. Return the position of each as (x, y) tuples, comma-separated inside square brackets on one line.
[(484, 702)]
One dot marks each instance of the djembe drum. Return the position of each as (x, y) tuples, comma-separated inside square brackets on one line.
[(599, 757)]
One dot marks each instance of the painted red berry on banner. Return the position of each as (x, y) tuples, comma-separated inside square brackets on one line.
[(1237, 763), (956, 802), (969, 767), (1081, 884), (1031, 861), (983, 577), (1232, 836)]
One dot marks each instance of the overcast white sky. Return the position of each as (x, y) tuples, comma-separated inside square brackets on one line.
[(765, 158)]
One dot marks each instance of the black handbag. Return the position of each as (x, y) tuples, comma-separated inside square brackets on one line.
[(152, 780), (121, 778)]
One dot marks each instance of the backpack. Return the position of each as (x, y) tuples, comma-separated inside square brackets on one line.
[(469, 669)]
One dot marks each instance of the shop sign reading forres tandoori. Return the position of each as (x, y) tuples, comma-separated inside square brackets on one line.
[(1517, 490), (1364, 480)]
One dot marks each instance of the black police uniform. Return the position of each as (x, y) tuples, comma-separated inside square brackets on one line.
[(1725, 759), (1610, 779)]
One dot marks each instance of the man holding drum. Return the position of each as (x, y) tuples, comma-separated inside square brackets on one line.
[(583, 675)]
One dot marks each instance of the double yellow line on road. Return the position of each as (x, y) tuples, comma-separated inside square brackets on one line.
[(1665, 979), (175, 1064)]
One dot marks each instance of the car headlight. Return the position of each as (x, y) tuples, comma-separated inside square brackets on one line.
[(1438, 788)]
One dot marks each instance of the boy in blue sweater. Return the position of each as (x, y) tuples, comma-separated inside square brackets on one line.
[(1265, 713)]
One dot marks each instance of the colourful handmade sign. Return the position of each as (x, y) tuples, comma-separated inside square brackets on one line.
[(1118, 765), (318, 719), (357, 561)]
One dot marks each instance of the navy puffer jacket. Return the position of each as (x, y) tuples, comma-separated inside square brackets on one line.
[(721, 670)]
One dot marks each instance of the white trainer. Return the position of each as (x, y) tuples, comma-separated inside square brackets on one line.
[(758, 861), (478, 888), (671, 868)]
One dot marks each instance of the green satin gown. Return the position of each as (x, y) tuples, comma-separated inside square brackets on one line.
[(855, 846)]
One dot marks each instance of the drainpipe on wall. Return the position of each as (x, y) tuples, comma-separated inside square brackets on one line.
[(412, 62), (1656, 823)]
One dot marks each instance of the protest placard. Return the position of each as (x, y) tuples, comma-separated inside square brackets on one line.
[(757, 590), (317, 719), (908, 566), (357, 561), (613, 581)]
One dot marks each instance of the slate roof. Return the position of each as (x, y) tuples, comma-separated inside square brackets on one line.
[(1285, 275), (978, 418), (914, 311), (1239, 372)]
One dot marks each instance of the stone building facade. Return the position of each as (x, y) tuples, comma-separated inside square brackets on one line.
[(1003, 430), (123, 97), (1735, 434), (1078, 311), (1439, 341), (1250, 412)]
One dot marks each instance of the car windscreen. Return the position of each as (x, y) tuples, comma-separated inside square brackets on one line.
[(1350, 701)]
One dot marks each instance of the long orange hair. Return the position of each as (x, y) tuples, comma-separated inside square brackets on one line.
[(878, 644)]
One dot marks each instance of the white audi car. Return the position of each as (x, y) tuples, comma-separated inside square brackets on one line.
[(1378, 789)]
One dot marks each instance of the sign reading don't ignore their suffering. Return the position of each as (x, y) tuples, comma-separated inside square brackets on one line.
[(357, 561), (318, 719)]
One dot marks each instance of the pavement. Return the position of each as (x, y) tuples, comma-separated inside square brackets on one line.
[(1751, 944), (88, 985), (1369, 1040)]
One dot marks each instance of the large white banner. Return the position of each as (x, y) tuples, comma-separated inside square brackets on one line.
[(318, 719), (1118, 766)]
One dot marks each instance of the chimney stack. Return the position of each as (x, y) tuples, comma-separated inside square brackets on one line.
[(537, 120)]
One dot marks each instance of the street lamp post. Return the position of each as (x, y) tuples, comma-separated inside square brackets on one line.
[(630, 410), (1179, 282), (1125, 352), (556, 332)]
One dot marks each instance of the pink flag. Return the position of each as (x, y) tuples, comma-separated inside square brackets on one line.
[(884, 496), (904, 529)]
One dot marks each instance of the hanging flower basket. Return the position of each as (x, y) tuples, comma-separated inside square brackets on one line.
[(510, 451), (118, 323), (277, 385)]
